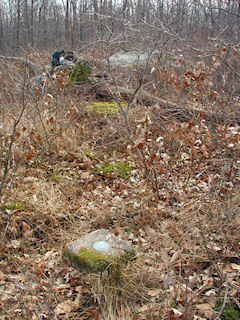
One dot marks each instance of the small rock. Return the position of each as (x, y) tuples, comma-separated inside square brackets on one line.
[(97, 250)]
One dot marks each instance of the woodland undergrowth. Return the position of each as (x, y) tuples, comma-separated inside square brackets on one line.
[(178, 206)]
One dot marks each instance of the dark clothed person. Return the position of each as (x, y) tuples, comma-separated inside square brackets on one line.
[(56, 58)]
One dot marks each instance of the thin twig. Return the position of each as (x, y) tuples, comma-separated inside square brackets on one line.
[(224, 304)]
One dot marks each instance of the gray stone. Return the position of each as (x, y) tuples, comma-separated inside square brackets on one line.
[(37, 84), (97, 250), (131, 58)]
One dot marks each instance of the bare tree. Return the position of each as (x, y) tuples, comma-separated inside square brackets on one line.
[(74, 27), (48, 23)]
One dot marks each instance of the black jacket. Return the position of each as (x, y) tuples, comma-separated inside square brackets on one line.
[(55, 58)]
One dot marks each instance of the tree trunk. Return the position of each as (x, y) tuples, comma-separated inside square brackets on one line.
[(67, 22), (18, 25), (1, 32), (32, 24), (74, 24)]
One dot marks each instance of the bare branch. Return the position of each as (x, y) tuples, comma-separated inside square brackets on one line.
[(32, 67)]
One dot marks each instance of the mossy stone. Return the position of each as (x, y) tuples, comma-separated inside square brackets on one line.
[(90, 260), (83, 256), (106, 108), (80, 72)]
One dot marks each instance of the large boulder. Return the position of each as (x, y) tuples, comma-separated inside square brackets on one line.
[(129, 59)]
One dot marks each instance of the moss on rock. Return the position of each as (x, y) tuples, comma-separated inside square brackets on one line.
[(106, 108), (80, 72), (91, 260), (98, 251)]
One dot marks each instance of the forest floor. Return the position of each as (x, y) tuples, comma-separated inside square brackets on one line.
[(175, 198)]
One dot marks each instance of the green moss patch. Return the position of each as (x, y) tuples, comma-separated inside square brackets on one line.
[(18, 206), (106, 108), (55, 174), (121, 168), (91, 260), (90, 155), (230, 312), (81, 72)]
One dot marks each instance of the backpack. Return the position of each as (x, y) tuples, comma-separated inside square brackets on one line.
[(55, 58)]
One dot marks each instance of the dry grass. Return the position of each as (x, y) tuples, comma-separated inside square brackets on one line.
[(186, 233)]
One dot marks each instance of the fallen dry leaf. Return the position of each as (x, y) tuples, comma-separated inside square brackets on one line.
[(15, 244), (64, 307), (165, 256), (175, 256), (155, 292), (235, 266), (174, 314), (211, 297), (205, 310), (146, 308), (25, 226)]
